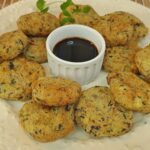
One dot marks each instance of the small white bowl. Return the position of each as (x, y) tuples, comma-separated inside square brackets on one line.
[(82, 72)]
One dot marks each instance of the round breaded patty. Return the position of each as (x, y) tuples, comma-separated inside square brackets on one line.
[(17, 77), (36, 50), (13, 86), (80, 15), (37, 23), (28, 69), (142, 60), (140, 30), (56, 91), (118, 28), (116, 31), (119, 59), (12, 44), (130, 91), (99, 115), (45, 123)]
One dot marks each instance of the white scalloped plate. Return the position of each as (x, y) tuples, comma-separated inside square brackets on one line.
[(13, 137)]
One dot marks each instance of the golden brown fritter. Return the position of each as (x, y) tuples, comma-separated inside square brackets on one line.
[(45, 123), (118, 28), (119, 59), (99, 115), (142, 60), (130, 91), (56, 91), (12, 44), (37, 23)]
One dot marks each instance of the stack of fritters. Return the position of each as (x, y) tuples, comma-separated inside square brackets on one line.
[(50, 114), (122, 31), (29, 39), (17, 73)]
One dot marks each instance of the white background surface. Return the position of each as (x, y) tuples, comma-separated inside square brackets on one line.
[(12, 136)]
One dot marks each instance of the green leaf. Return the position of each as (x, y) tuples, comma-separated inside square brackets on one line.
[(66, 13), (66, 4), (67, 20), (86, 9), (45, 10), (40, 4)]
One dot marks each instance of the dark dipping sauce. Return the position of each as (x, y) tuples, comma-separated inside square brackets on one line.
[(75, 50)]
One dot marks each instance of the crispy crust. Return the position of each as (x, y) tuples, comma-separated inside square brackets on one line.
[(142, 60), (17, 77), (130, 91), (45, 123), (99, 115), (119, 59), (37, 23), (36, 50), (56, 91), (12, 44), (119, 28)]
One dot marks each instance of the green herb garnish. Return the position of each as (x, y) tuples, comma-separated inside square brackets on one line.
[(86, 9), (41, 5), (69, 18), (66, 20), (66, 4), (45, 10), (66, 13), (64, 7)]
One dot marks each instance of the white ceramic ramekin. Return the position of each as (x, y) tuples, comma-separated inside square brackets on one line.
[(82, 72)]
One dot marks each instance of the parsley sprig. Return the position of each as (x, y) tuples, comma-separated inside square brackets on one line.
[(41, 5), (64, 5), (86, 9), (68, 17)]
